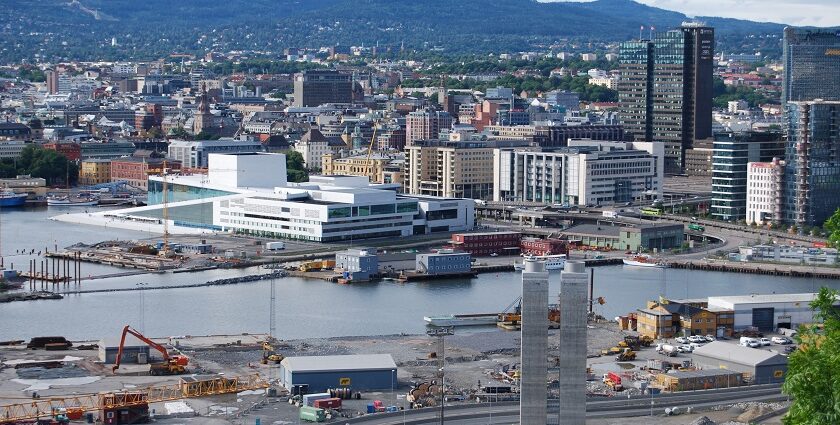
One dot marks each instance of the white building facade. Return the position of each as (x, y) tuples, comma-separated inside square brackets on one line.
[(767, 312), (587, 172), (765, 192)]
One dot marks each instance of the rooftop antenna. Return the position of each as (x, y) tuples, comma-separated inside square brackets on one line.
[(641, 28), (652, 29)]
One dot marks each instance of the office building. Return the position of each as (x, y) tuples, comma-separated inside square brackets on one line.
[(194, 154), (698, 159), (357, 264), (51, 77), (533, 403), (444, 263), (731, 154), (106, 150), (425, 125), (641, 237), (451, 169), (586, 172), (487, 243), (373, 166), (553, 136), (812, 162), (767, 312), (317, 87), (574, 294), (812, 64), (765, 192), (314, 145), (135, 171), (94, 171), (665, 89)]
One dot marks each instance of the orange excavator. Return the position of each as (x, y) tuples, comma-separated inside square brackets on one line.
[(171, 365)]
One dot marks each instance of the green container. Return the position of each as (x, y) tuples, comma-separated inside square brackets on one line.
[(312, 414)]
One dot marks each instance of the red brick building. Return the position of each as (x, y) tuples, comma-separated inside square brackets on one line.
[(500, 243), (537, 246), (73, 151), (136, 170)]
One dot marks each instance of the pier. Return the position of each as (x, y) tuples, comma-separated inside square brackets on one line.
[(772, 269)]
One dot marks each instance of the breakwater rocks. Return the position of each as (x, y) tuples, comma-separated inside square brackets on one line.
[(29, 296)]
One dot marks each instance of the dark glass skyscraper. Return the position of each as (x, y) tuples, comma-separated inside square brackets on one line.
[(665, 90), (812, 64), (812, 156)]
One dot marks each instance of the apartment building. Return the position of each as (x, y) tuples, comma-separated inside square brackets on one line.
[(765, 192)]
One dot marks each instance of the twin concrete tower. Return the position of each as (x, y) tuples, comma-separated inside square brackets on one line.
[(533, 404)]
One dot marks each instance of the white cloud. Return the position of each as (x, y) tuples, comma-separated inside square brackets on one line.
[(821, 13)]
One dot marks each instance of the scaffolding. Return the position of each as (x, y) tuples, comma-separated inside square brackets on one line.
[(188, 387)]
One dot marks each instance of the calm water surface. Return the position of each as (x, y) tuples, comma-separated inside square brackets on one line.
[(311, 308)]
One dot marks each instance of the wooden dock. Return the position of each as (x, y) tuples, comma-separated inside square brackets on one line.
[(771, 269)]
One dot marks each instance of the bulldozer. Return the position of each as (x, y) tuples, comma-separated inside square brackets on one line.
[(626, 355), (270, 355)]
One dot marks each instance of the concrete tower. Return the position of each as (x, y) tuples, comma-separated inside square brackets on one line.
[(533, 406), (573, 303)]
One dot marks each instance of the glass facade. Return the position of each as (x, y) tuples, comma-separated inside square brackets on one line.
[(731, 153), (812, 157), (179, 192), (812, 64)]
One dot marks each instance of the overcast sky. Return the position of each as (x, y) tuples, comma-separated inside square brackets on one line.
[(821, 13)]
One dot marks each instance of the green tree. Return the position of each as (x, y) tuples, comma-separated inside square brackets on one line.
[(296, 167), (832, 227), (812, 369), (48, 164)]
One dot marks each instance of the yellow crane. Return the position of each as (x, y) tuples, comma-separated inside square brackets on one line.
[(369, 171), (46, 407)]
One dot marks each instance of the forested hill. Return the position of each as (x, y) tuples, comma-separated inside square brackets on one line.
[(83, 29)]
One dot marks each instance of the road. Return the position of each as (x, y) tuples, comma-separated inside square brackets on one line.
[(616, 407)]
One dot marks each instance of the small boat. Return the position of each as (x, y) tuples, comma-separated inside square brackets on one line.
[(552, 262), (644, 261), (67, 202), (481, 319), (12, 199)]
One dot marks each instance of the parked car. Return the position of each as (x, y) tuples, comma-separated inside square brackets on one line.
[(710, 338), (494, 255), (781, 340), (765, 341), (694, 346), (685, 348), (682, 340), (697, 339)]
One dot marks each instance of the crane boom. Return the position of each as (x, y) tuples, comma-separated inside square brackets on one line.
[(181, 360), (369, 171)]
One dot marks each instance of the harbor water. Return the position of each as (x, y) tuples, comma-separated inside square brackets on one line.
[(308, 308)]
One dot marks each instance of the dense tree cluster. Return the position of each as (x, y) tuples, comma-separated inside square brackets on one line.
[(296, 167), (36, 161), (751, 95)]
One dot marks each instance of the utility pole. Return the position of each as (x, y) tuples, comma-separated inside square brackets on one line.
[(440, 333)]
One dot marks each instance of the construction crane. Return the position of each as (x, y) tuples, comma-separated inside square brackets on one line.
[(76, 405), (165, 251), (370, 171), (171, 365)]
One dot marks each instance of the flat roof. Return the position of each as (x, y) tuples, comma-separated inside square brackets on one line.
[(738, 354), (594, 229), (765, 298), (339, 363)]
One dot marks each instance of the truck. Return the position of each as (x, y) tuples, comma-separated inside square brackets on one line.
[(480, 202), (696, 227), (613, 380), (274, 246), (626, 355), (667, 349), (610, 214)]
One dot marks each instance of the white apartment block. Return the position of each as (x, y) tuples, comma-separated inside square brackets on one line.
[(610, 83), (765, 192), (449, 169), (586, 172)]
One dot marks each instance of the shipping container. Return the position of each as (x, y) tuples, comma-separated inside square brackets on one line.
[(274, 246), (327, 403), (699, 380), (309, 399), (312, 414)]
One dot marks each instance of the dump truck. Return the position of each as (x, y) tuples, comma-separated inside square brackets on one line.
[(611, 351)]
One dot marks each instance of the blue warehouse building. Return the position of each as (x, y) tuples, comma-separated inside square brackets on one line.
[(362, 372)]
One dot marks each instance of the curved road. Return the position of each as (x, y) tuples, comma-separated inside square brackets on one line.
[(614, 407)]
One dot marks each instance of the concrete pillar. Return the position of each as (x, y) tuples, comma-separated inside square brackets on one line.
[(574, 286), (533, 405)]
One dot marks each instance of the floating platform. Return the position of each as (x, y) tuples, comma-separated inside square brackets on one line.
[(773, 269), (479, 319), (410, 276)]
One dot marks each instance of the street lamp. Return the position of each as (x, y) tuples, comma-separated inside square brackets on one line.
[(440, 333), (141, 287)]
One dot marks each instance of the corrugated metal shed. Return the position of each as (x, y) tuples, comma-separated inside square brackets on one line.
[(340, 363), (739, 354)]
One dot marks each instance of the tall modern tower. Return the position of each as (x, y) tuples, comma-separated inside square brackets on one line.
[(533, 402), (573, 303), (666, 88), (812, 64)]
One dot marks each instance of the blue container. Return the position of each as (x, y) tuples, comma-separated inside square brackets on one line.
[(370, 408)]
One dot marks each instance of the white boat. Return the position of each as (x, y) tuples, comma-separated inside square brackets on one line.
[(482, 319), (552, 262), (644, 261), (67, 202)]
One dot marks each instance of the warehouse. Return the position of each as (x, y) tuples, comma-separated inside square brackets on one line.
[(362, 372), (691, 380), (767, 312), (759, 366)]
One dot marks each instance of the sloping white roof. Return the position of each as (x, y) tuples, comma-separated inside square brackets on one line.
[(735, 353), (340, 363), (765, 298)]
